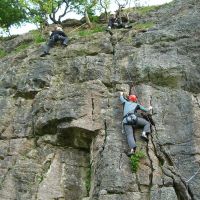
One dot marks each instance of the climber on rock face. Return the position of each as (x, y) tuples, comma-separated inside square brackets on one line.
[(131, 120), (56, 35)]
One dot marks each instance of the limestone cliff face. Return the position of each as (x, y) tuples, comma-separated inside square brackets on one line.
[(60, 125)]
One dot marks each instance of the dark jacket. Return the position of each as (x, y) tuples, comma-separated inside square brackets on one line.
[(57, 33)]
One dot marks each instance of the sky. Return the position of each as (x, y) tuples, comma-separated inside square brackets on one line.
[(27, 27)]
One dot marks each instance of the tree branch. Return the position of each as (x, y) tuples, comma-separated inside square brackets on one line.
[(65, 11)]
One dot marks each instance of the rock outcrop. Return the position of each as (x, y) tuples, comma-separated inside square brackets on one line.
[(60, 125)]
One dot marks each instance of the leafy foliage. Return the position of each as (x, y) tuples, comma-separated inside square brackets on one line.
[(11, 13), (85, 7), (38, 37), (104, 4), (81, 6), (36, 9), (14, 12), (88, 179), (2, 53), (135, 160), (40, 10)]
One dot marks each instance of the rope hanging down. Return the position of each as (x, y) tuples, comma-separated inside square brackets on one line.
[(132, 84), (148, 117), (193, 176)]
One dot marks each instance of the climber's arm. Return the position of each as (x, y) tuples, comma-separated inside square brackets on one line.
[(121, 97), (145, 109)]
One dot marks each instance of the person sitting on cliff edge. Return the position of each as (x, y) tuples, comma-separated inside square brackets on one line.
[(56, 35), (115, 21), (131, 120)]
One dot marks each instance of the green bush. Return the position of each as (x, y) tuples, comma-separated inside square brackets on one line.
[(2, 53), (94, 19), (88, 180), (135, 160), (38, 37)]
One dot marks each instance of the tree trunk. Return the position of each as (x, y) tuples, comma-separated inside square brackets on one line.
[(87, 19)]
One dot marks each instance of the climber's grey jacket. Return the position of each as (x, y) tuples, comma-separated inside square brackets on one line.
[(130, 106)]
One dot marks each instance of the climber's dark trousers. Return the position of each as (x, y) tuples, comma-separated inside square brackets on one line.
[(129, 131), (53, 40), (141, 122)]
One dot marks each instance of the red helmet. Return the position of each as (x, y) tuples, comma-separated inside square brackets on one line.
[(132, 98)]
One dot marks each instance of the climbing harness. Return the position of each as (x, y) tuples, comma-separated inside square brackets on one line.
[(130, 116)]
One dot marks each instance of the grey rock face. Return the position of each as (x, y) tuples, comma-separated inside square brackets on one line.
[(60, 125)]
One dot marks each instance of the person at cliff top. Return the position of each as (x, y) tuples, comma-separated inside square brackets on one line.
[(115, 21), (56, 35), (131, 120)]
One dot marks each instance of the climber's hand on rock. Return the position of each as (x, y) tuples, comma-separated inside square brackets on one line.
[(150, 108)]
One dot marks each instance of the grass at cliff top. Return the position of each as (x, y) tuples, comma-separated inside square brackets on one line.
[(147, 25), (88, 32), (21, 47), (142, 10), (2, 53), (38, 37)]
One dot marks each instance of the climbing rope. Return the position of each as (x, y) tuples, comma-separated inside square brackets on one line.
[(132, 83), (193, 176), (77, 28), (135, 92)]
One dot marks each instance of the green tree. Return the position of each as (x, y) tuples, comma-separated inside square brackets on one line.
[(66, 4), (41, 10), (105, 4), (11, 13), (85, 7)]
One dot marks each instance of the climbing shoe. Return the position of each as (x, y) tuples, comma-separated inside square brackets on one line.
[(131, 152), (127, 26), (44, 54), (65, 45), (145, 138)]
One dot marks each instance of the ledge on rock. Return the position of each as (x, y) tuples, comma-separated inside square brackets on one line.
[(75, 137)]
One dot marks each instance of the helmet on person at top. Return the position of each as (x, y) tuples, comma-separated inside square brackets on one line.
[(112, 14), (58, 28), (132, 98)]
